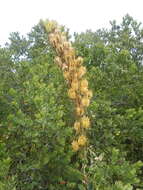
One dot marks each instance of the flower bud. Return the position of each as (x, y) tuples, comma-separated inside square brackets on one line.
[(71, 51), (85, 102), (51, 37), (82, 140), (57, 37), (84, 83), (64, 66), (79, 60), (84, 90), (67, 45), (66, 75), (67, 57), (58, 61), (61, 48), (79, 111), (50, 26), (85, 122), (81, 71), (75, 146), (74, 85), (71, 93), (75, 75), (90, 94), (77, 126)]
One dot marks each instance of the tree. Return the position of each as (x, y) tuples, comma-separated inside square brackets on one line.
[(115, 73)]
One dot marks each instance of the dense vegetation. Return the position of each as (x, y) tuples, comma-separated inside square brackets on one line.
[(36, 115)]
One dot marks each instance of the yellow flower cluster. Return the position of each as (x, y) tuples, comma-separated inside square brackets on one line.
[(73, 72)]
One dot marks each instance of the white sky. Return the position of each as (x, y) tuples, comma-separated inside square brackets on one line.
[(78, 15)]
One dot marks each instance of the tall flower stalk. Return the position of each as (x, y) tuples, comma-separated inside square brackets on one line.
[(74, 73)]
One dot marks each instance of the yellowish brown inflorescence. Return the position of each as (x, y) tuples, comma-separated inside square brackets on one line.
[(74, 73)]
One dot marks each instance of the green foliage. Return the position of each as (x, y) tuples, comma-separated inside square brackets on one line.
[(7, 182), (37, 131), (110, 169)]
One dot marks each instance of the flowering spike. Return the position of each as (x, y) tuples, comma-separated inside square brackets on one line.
[(73, 72)]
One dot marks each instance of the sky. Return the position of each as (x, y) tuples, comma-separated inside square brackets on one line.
[(77, 15)]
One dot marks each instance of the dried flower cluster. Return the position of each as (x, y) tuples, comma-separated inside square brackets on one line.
[(74, 74)]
